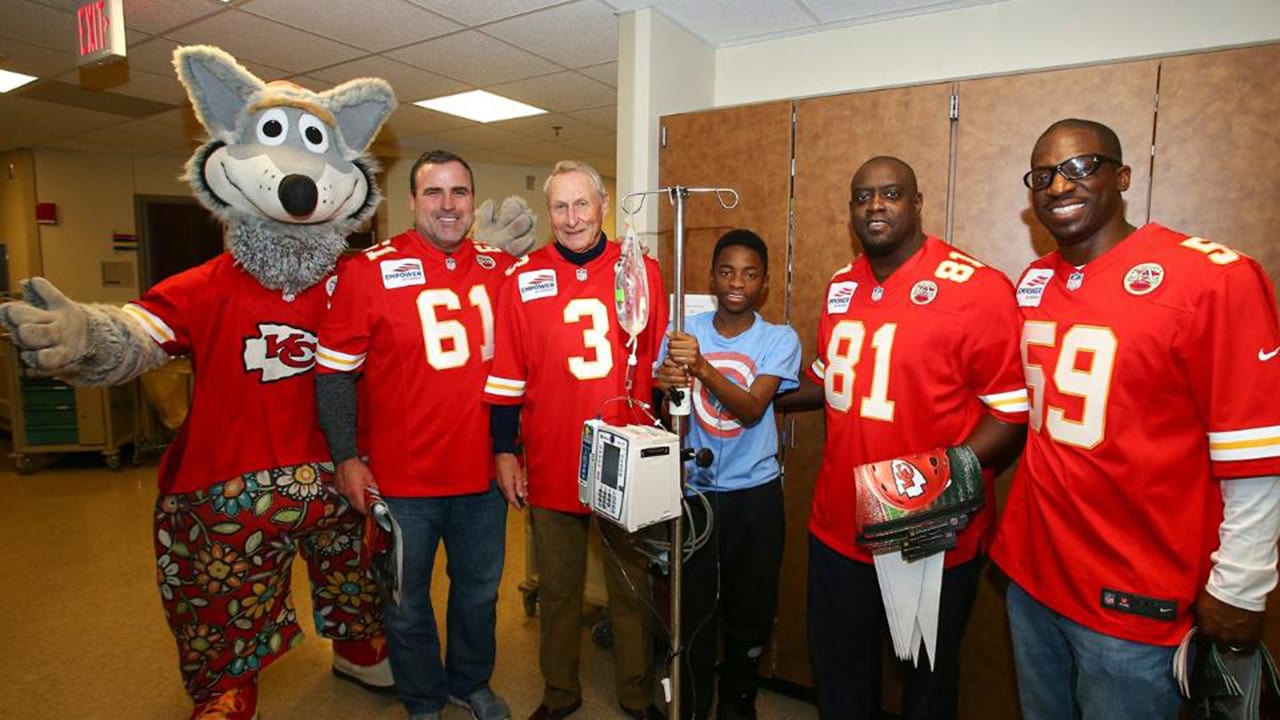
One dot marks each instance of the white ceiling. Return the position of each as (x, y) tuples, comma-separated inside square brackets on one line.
[(557, 54)]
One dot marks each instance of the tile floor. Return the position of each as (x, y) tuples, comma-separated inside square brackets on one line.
[(83, 636)]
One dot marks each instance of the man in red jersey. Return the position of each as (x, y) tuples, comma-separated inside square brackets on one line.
[(561, 360), (917, 350), (1147, 498), (413, 319)]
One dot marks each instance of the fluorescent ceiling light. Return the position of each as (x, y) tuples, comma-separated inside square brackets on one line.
[(480, 106), (11, 80)]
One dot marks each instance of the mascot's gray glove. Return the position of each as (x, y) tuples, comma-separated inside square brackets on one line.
[(509, 227), (50, 331)]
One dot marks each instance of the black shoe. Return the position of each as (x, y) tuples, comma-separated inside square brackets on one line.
[(650, 713), (549, 713)]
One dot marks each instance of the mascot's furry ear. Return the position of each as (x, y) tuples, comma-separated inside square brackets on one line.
[(225, 95), (219, 87)]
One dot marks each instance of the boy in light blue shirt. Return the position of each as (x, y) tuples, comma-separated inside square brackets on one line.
[(733, 362)]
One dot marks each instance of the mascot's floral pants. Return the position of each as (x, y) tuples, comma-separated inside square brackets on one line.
[(223, 559)]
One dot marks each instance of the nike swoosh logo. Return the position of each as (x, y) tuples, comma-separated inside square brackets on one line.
[(1265, 356)]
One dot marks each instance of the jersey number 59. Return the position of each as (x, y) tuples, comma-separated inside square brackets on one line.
[(1092, 385)]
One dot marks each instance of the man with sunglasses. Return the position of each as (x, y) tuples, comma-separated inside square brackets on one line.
[(1148, 498)]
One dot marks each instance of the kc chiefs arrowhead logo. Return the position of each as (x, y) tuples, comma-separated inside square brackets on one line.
[(279, 351)]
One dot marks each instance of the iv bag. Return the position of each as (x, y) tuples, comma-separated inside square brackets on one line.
[(631, 287)]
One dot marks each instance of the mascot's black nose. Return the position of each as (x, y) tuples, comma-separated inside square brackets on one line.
[(298, 194)]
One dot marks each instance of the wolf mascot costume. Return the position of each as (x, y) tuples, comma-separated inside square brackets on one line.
[(247, 481)]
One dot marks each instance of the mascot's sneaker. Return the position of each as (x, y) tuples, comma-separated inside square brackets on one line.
[(365, 663), (238, 703)]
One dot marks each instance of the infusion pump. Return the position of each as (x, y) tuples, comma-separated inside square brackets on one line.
[(629, 474)]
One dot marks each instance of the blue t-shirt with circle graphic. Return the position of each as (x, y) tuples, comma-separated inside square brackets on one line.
[(745, 457)]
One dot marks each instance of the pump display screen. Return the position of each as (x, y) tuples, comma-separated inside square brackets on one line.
[(609, 468)]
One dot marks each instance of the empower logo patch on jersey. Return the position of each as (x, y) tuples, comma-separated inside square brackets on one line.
[(279, 351), (1031, 287), (537, 284), (839, 296), (402, 273)]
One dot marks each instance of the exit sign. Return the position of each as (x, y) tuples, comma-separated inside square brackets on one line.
[(100, 32)]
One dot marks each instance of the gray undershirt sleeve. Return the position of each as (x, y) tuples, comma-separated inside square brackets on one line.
[(336, 405)]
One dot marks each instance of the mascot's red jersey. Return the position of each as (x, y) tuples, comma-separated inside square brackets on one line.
[(908, 366), (418, 325), (562, 356), (1152, 371), (252, 350)]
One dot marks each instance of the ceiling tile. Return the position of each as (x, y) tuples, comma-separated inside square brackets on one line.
[(54, 119), (248, 37), (156, 56), (410, 83), (374, 25), (721, 21), (559, 92), (541, 127), (606, 73), (483, 136), (605, 117), (435, 141), (476, 12), (409, 120), (124, 80), (474, 58), (596, 145), (546, 153), (159, 16), (36, 24), (138, 136), (854, 11), (34, 59), (574, 35)]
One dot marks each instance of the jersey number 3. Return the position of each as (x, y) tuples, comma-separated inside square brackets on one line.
[(1092, 386)]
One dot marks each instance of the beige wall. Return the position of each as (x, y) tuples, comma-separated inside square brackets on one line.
[(94, 194), (18, 215), (492, 181), (662, 69)]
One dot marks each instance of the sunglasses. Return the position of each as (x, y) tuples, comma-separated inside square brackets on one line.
[(1076, 168)]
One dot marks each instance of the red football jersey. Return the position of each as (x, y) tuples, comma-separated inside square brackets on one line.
[(417, 324), (1151, 373), (908, 366), (562, 356), (253, 406)]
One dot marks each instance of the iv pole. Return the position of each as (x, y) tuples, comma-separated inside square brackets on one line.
[(678, 195)]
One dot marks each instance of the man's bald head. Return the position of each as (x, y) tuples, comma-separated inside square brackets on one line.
[(906, 176)]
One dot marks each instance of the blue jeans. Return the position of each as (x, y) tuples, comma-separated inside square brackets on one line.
[(474, 531), (1067, 671)]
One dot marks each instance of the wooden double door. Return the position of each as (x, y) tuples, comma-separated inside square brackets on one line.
[(1196, 130)]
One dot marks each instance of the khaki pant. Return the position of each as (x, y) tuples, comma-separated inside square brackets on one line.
[(560, 546)]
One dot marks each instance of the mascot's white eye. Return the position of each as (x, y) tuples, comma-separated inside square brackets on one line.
[(314, 133), (273, 126)]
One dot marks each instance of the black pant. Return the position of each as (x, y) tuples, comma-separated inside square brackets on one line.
[(846, 626), (731, 586)]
